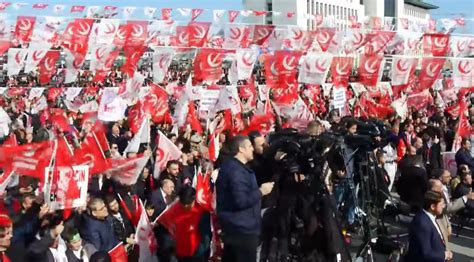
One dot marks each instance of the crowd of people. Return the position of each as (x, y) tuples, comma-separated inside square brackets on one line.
[(247, 212)]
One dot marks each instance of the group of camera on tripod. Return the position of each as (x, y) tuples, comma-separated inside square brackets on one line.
[(331, 194)]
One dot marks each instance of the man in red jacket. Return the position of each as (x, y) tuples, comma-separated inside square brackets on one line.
[(189, 225)]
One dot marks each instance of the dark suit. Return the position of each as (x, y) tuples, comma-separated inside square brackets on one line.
[(156, 197), (463, 157), (71, 257), (426, 243), (99, 233)]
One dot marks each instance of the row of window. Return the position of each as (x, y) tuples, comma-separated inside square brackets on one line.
[(343, 13), (414, 12)]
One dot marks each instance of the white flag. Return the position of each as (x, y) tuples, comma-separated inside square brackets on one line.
[(132, 88), (112, 107), (162, 58), (36, 52), (315, 68), (16, 60), (35, 92), (145, 238), (401, 68), (127, 171), (463, 72), (218, 15), (149, 12), (142, 136), (246, 59), (184, 11), (165, 152), (72, 93), (58, 8), (92, 11), (128, 11), (106, 31)]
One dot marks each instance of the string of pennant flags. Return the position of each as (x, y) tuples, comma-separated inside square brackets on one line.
[(150, 12)]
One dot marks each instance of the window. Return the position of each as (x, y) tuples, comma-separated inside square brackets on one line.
[(308, 6), (313, 11), (325, 9), (317, 8)]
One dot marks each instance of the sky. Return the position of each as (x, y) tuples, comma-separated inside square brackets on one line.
[(448, 8)]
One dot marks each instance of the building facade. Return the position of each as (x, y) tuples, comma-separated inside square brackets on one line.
[(337, 10)]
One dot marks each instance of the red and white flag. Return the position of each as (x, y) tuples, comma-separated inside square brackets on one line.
[(166, 13), (127, 171), (324, 37), (341, 69), (16, 60), (90, 153), (369, 69), (463, 72), (204, 196), (77, 8), (145, 239), (286, 62), (31, 159), (214, 147), (233, 15), (236, 35), (261, 33), (197, 34), (24, 29), (195, 13), (39, 6), (47, 66), (118, 253), (165, 152), (209, 64), (402, 66), (315, 68), (138, 33), (430, 69), (142, 136), (436, 44), (246, 59), (132, 88), (149, 12), (462, 46), (155, 104)]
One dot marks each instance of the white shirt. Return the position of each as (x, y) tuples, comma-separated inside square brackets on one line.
[(433, 220)]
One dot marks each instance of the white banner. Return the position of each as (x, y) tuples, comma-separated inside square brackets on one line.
[(64, 185)]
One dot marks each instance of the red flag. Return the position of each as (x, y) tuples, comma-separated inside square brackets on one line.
[(209, 63), (181, 38), (145, 238), (324, 37), (24, 28), (369, 69), (90, 153), (261, 123), (341, 69), (192, 119), (136, 116), (133, 55), (166, 13), (47, 66), (261, 33), (195, 13), (30, 159), (77, 8), (286, 62), (204, 195), (156, 103), (198, 33), (430, 69), (436, 44), (402, 68), (54, 92), (420, 100), (118, 253), (39, 6), (138, 33), (122, 35), (233, 15), (214, 147)]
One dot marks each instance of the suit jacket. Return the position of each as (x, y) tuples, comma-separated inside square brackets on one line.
[(158, 201), (71, 257), (100, 233), (425, 242), (463, 156)]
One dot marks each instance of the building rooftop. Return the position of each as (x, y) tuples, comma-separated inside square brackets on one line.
[(421, 4)]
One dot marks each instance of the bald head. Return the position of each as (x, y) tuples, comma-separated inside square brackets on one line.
[(435, 185)]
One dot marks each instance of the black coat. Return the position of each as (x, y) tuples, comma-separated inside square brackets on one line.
[(122, 231), (463, 157), (157, 199), (99, 233), (39, 249)]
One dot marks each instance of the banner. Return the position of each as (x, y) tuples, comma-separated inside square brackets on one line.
[(66, 184)]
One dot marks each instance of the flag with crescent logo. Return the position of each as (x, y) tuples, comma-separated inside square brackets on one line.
[(341, 69), (145, 238), (315, 68), (165, 152), (24, 29), (463, 72), (436, 44), (430, 70), (369, 69)]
